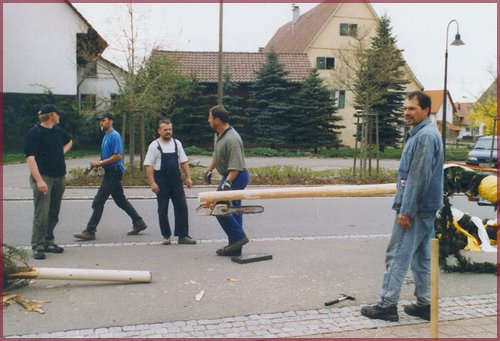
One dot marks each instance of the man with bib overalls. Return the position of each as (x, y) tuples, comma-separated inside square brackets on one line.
[(163, 161)]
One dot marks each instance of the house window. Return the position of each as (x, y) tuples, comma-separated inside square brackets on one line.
[(325, 63), (349, 30), (90, 69), (339, 98)]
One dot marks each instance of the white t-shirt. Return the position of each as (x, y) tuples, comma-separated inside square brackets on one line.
[(153, 156)]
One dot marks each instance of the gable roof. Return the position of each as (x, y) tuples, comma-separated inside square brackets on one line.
[(297, 38), (437, 100), (463, 111), (242, 66), (100, 43)]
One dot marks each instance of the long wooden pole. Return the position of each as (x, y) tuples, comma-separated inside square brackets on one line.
[(85, 275), (300, 192), (434, 288)]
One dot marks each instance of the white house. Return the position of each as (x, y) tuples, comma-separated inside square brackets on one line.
[(51, 47)]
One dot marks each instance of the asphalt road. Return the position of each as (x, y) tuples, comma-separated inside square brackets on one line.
[(321, 248)]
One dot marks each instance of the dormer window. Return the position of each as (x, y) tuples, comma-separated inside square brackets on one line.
[(350, 30), (325, 63)]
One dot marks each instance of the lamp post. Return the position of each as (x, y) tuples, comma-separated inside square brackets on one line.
[(456, 42)]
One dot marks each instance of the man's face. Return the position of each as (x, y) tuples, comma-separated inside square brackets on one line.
[(165, 131), (54, 117), (105, 124), (211, 120), (413, 113)]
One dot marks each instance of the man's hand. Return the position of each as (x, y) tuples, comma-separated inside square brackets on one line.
[(155, 188), (208, 177), (42, 186), (404, 221), (226, 186)]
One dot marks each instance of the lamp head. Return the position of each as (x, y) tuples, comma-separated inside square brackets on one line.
[(457, 41)]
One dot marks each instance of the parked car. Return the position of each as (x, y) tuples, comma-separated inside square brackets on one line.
[(481, 154)]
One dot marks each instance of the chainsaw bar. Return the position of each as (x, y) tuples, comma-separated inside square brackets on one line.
[(220, 210)]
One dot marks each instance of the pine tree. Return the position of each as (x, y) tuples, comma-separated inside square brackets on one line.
[(233, 102), (380, 87), (189, 114), (313, 123), (269, 104)]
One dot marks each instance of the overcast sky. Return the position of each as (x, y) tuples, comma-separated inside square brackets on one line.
[(420, 30)]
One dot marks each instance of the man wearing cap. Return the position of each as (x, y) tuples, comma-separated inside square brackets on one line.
[(112, 162), (44, 147)]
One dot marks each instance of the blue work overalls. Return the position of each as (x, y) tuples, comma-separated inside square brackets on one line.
[(169, 181)]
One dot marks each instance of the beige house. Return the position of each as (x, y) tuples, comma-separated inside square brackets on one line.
[(327, 33)]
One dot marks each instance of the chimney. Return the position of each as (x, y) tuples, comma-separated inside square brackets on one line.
[(295, 14)]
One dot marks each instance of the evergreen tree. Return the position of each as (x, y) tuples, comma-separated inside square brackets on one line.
[(380, 86), (313, 123), (270, 105), (233, 102), (189, 115)]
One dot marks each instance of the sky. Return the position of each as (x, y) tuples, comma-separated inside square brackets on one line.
[(419, 28)]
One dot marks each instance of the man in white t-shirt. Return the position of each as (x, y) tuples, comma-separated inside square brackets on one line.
[(163, 161)]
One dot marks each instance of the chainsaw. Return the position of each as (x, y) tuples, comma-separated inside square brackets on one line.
[(225, 208)]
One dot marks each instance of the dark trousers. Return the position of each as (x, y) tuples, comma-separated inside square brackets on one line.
[(112, 185), (46, 213), (174, 192)]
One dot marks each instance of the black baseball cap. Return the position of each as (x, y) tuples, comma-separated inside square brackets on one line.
[(47, 109), (105, 115)]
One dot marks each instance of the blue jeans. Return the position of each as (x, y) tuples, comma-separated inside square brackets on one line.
[(233, 223), (409, 247)]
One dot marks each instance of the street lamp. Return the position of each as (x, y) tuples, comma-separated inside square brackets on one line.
[(456, 42)]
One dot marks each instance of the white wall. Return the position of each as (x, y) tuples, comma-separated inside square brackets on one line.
[(39, 47), (105, 84)]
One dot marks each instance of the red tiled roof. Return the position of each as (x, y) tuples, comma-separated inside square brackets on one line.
[(240, 65), (437, 100), (297, 38), (463, 110)]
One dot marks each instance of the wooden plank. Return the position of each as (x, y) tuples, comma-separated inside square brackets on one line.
[(251, 258), (300, 192)]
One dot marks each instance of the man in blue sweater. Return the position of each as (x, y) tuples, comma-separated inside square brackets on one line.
[(419, 196)]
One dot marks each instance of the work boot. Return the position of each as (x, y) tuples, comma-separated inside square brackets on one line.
[(225, 251), (51, 247), (85, 235), (422, 311), (186, 240), (136, 229), (379, 313), (38, 254)]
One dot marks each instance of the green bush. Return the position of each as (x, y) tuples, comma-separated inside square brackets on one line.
[(262, 152), (193, 150)]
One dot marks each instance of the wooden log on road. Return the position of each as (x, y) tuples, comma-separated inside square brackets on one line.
[(84, 275), (300, 192)]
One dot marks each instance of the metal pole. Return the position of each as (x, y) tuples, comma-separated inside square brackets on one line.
[(493, 139), (456, 42), (219, 85), (445, 97)]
